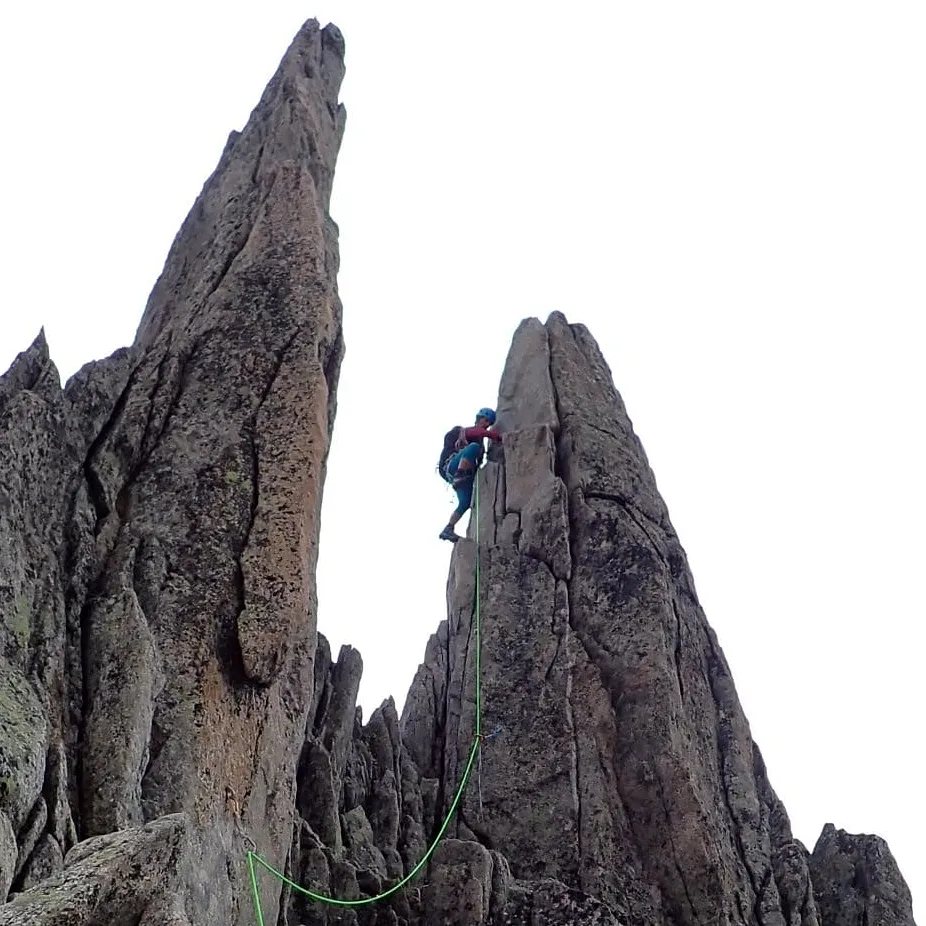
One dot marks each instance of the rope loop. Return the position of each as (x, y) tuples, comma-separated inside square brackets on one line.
[(254, 859)]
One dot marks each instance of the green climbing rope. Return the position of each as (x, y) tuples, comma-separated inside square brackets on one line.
[(255, 859)]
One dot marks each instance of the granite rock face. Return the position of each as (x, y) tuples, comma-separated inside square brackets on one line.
[(166, 703), (158, 537), (622, 765), (856, 880)]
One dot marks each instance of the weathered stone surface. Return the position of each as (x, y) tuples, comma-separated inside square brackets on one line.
[(60, 819), (336, 719), (360, 844), (525, 395), (552, 903), (792, 876), (459, 890), (111, 880), (9, 851), (380, 834), (856, 880), (30, 835), (158, 593), (423, 716), (122, 681), (34, 440), (45, 861), (323, 763), (317, 796)]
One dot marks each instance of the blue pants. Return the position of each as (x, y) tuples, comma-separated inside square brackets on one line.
[(464, 488)]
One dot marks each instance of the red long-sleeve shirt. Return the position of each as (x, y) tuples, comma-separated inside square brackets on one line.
[(474, 434)]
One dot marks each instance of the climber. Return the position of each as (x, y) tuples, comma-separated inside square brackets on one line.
[(460, 458)]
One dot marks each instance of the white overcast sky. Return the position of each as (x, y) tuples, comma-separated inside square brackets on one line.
[(730, 195)]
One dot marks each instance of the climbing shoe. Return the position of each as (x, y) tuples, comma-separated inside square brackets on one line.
[(448, 533)]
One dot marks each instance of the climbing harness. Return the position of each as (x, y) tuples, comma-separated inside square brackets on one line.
[(255, 860)]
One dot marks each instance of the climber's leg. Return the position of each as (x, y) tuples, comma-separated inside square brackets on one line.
[(464, 490)]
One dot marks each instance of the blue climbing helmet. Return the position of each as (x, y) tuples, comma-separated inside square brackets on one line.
[(487, 413)]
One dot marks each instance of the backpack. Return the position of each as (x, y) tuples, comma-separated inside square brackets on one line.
[(451, 443)]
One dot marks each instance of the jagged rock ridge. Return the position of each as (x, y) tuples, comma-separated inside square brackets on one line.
[(165, 702)]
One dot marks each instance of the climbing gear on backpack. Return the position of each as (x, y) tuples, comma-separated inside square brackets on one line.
[(452, 442)]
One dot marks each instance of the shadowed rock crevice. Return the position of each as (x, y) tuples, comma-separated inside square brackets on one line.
[(103, 505)]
